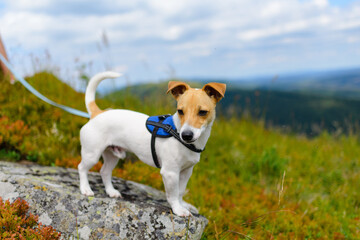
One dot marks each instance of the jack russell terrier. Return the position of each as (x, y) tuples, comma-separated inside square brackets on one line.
[(111, 133)]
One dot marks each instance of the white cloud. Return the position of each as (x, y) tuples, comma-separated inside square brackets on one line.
[(272, 9), (172, 33), (224, 33), (28, 5), (321, 3), (273, 30), (345, 25), (284, 29)]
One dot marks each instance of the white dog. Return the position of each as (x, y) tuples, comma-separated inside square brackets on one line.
[(112, 133)]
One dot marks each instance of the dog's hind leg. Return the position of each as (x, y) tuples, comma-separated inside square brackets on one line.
[(88, 159), (111, 157)]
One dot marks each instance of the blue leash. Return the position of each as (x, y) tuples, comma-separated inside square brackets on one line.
[(39, 95)]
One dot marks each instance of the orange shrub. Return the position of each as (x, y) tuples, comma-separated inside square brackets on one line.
[(17, 224), (12, 133)]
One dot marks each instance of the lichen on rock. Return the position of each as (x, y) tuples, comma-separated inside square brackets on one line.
[(53, 194)]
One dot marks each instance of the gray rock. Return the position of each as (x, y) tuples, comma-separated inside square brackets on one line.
[(53, 194)]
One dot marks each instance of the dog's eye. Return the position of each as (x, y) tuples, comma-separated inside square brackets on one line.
[(203, 113), (180, 112)]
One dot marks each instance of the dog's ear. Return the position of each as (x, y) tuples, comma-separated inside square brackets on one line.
[(215, 90), (177, 88)]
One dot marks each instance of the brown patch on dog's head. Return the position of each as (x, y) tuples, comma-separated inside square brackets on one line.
[(196, 107)]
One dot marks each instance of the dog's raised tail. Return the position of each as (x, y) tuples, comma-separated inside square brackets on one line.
[(91, 106)]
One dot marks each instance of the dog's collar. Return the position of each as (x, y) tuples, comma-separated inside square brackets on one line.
[(163, 126)]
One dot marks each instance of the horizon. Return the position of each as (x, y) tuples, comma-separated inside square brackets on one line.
[(246, 83)]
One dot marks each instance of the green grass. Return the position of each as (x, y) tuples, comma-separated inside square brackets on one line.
[(251, 182), (243, 168)]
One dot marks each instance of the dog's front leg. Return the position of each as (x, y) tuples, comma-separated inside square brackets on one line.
[(184, 179), (171, 181)]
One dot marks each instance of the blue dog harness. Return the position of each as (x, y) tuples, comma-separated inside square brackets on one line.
[(163, 119), (163, 126)]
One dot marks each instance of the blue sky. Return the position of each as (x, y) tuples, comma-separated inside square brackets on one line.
[(153, 40), (341, 2)]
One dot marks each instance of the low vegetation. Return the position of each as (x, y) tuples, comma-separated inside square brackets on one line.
[(251, 183), (17, 223)]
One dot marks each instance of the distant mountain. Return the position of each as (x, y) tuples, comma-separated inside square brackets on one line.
[(344, 83), (341, 83)]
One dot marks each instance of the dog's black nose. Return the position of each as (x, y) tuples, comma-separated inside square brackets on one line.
[(187, 135)]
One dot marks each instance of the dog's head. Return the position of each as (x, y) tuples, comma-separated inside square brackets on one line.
[(195, 107)]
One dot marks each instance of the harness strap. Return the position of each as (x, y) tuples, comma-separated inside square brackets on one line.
[(153, 150), (168, 129)]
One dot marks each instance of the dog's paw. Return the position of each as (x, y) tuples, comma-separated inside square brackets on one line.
[(113, 193), (87, 191), (190, 207), (182, 212)]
